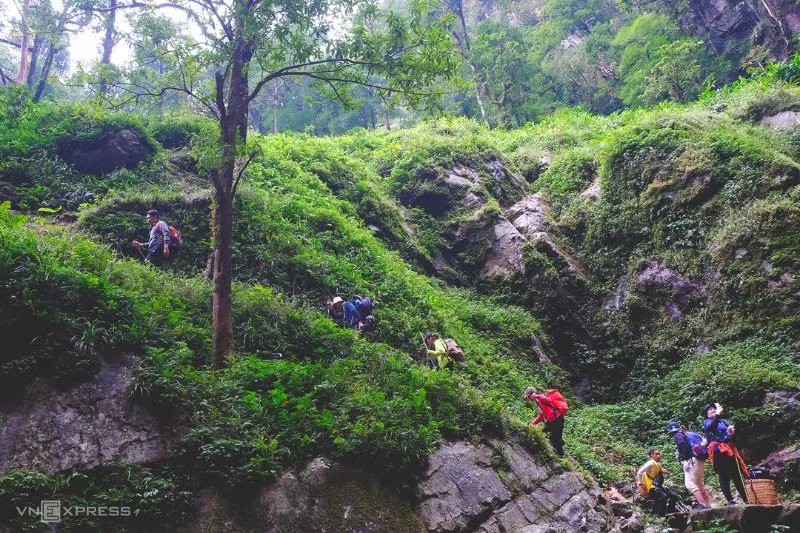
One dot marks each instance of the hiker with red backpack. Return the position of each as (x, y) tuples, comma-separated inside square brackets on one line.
[(163, 239), (552, 408), (692, 454), (441, 353)]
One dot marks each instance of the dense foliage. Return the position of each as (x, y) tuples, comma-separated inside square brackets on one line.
[(701, 190)]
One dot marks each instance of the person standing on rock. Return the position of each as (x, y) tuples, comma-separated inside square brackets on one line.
[(728, 463), (158, 245), (552, 413), (693, 466)]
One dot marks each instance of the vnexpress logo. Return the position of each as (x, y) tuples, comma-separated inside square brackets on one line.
[(50, 511)]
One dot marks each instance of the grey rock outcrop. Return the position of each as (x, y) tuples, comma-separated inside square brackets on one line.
[(776, 21), (785, 120), (497, 240), (784, 408), (90, 426), (491, 488), (750, 518), (785, 466), (124, 150), (466, 181), (675, 292), (463, 491)]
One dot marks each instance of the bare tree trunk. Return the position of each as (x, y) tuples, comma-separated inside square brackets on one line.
[(108, 42), (481, 87), (48, 63), (37, 45), (22, 71), (233, 124), (221, 306)]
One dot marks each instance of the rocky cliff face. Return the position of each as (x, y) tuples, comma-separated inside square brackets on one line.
[(769, 22), (91, 426), (490, 487)]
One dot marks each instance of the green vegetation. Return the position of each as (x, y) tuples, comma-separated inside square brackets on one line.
[(701, 194)]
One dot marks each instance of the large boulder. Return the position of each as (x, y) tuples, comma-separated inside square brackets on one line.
[(785, 466), (780, 426), (675, 293), (90, 426), (491, 487), (785, 120), (495, 241), (124, 150), (749, 518), (464, 490)]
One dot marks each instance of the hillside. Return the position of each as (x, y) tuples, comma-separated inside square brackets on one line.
[(644, 263)]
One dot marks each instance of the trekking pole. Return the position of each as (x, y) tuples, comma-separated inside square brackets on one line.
[(745, 497)]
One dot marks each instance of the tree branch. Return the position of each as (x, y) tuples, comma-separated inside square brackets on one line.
[(241, 173)]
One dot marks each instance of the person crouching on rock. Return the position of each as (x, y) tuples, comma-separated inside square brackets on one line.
[(552, 416), (650, 482), (158, 245), (728, 463)]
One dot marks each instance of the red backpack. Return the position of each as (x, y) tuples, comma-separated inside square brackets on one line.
[(558, 401), (175, 239)]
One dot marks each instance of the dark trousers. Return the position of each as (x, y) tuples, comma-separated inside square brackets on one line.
[(555, 430), (727, 469), (664, 500), (156, 257)]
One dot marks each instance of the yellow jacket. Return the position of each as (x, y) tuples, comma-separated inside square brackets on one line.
[(647, 474), (440, 353)]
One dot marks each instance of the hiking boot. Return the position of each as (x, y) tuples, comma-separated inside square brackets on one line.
[(731, 503)]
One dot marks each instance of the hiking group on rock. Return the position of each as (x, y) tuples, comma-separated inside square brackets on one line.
[(693, 449)]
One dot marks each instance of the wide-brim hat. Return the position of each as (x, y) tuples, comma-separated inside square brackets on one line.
[(336, 300)]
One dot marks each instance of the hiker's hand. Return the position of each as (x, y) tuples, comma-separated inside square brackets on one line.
[(137, 244), (731, 430), (719, 408)]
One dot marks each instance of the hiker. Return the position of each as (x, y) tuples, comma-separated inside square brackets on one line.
[(552, 408), (438, 356), (725, 457), (158, 251), (692, 454), (650, 482), (355, 313)]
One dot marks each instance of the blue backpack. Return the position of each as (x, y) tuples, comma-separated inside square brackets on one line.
[(698, 444)]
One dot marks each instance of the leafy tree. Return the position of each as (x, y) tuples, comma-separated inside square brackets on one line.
[(680, 74), (638, 46), (246, 44), (581, 14), (500, 51), (42, 35)]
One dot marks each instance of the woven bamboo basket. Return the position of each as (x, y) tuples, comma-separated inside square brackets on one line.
[(761, 491)]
